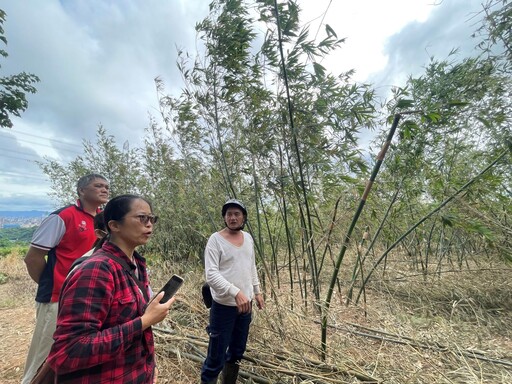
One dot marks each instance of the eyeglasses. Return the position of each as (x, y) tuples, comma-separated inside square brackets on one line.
[(145, 219)]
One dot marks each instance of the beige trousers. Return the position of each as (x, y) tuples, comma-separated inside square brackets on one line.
[(42, 340)]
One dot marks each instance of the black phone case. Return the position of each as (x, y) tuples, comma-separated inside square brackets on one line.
[(171, 287)]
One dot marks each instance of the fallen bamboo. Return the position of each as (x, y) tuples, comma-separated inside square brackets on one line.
[(404, 340), (303, 367)]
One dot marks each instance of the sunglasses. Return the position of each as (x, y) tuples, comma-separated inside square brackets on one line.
[(145, 219)]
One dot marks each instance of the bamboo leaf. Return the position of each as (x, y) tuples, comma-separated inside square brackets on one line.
[(485, 122), (458, 103), (330, 31), (448, 220), (319, 70), (409, 128), (404, 103), (434, 117)]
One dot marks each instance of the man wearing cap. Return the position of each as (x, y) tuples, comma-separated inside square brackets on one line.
[(230, 270), (62, 237)]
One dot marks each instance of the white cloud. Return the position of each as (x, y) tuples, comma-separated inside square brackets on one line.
[(366, 26), (408, 51), (97, 60)]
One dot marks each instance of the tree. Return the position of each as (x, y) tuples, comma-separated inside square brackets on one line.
[(280, 133), (496, 32), (13, 88), (121, 167), (276, 130)]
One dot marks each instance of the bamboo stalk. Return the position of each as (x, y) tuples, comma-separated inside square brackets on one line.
[(308, 226), (424, 218), (375, 171), (303, 367), (404, 340), (370, 246)]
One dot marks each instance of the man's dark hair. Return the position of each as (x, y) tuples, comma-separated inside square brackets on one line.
[(84, 181)]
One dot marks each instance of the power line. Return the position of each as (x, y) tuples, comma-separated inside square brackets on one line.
[(20, 153), (24, 175), (46, 138), (17, 158), (43, 145)]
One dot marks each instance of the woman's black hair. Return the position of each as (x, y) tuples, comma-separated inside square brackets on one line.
[(99, 224)]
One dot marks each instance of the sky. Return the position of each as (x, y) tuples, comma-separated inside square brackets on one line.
[(97, 61)]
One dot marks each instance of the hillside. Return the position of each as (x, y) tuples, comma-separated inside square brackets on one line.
[(452, 330), (17, 235)]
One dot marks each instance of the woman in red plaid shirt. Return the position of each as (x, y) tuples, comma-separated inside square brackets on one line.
[(104, 324)]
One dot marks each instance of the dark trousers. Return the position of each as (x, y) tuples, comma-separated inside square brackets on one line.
[(228, 331)]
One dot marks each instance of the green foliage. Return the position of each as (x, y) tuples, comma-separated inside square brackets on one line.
[(282, 133), (496, 32), (18, 235), (13, 88), (235, 121), (15, 240), (460, 120), (121, 167), (261, 119)]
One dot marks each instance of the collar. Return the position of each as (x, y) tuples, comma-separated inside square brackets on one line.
[(116, 251), (80, 206)]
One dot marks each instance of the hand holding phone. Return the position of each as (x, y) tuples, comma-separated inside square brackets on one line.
[(171, 287), (155, 313)]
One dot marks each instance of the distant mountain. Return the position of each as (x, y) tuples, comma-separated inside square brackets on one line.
[(24, 214)]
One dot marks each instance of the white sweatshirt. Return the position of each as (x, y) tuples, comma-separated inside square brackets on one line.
[(230, 269)]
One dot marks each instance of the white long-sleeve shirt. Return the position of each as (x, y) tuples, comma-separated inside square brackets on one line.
[(230, 269)]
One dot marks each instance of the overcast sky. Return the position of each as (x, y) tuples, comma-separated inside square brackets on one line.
[(97, 60)]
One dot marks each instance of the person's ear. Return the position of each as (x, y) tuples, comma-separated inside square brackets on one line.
[(113, 225)]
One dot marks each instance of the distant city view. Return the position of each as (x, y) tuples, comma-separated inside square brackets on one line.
[(21, 219)]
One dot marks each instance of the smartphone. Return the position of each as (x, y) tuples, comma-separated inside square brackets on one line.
[(171, 287)]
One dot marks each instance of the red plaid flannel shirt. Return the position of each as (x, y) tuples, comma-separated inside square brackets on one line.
[(99, 337)]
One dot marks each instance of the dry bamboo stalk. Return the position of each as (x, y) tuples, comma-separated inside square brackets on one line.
[(281, 355), (397, 339), (200, 359)]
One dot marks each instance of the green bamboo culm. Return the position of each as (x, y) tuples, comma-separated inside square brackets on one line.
[(375, 171), (424, 218), (306, 219)]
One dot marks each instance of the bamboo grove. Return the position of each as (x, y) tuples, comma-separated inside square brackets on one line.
[(259, 118)]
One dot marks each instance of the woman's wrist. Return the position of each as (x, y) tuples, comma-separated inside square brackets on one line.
[(144, 322)]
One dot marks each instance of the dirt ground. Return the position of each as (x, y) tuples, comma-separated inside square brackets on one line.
[(15, 336), (451, 331), (17, 318)]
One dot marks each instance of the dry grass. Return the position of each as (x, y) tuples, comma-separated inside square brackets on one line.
[(452, 329), (16, 317), (413, 330)]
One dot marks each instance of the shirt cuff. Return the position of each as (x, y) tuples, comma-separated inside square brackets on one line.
[(137, 327), (233, 291)]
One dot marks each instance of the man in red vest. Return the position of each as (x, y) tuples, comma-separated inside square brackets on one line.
[(62, 237)]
